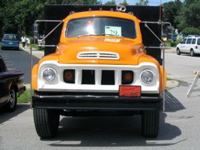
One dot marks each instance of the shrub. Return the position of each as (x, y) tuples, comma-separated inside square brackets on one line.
[(173, 44), (191, 30)]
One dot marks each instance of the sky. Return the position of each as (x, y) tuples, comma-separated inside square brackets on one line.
[(132, 2)]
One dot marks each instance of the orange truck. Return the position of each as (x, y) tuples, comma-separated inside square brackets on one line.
[(100, 67)]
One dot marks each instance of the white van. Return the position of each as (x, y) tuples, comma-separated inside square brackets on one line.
[(190, 44)]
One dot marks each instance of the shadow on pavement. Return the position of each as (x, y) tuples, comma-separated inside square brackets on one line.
[(5, 116), (115, 131), (112, 131)]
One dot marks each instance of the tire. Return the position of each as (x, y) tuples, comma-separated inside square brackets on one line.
[(178, 52), (12, 102), (46, 122), (150, 123), (192, 52)]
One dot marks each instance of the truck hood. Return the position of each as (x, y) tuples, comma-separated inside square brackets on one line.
[(91, 50)]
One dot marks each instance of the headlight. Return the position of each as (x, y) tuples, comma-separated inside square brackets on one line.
[(49, 74), (147, 76)]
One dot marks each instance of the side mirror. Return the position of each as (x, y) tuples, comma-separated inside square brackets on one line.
[(167, 30), (35, 30), (170, 37)]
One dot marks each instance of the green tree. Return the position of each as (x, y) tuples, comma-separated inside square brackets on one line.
[(124, 3), (171, 10), (18, 16), (143, 3), (78, 2), (189, 14), (110, 3)]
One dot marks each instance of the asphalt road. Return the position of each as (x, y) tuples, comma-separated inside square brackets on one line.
[(19, 60), (179, 124), (181, 67)]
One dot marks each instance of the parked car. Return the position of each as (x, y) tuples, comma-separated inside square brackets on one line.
[(190, 45), (10, 87), (10, 41)]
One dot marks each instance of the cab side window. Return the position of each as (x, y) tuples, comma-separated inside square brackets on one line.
[(189, 41)]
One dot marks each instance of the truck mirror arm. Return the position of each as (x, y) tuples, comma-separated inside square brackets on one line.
[(39, 21), (162, 45)]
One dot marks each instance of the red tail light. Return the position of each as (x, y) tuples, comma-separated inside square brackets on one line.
[(127, 77), (69, 76)]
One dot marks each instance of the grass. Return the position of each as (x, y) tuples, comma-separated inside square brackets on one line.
[(168, 44), (169, 79), (25, 97), (36, 47)]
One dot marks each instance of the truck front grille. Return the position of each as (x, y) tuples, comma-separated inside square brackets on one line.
[(99, 77), (108, 77), (88, 77)]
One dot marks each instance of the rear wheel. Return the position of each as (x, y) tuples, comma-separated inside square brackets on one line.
[(150, 123), (192, 52), (12, 102), (46, 122)]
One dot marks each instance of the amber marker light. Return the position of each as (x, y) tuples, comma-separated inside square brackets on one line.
[(69, 76), (127, 77)]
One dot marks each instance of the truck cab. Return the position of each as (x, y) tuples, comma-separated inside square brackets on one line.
[(100, 65)]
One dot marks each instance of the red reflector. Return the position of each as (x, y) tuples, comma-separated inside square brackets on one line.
[(128, 76), (68, 75)]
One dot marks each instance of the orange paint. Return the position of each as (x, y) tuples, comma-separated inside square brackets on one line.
[(131, 51)]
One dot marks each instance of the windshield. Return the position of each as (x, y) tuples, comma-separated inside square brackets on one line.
[(101, 26), (10, 37)]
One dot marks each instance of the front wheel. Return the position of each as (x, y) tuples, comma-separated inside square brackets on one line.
[(178, 52), (150, 123), (46, 122)]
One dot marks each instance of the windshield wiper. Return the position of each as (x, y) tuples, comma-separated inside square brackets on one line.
[(105, 34), (89, 35)]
